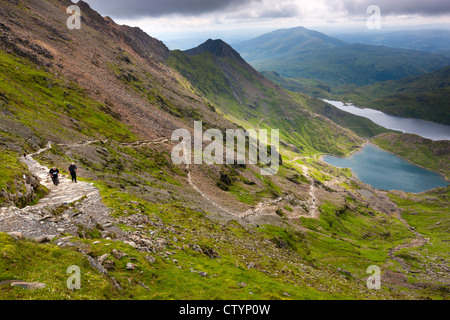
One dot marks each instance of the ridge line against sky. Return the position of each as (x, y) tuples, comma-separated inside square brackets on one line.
[(237, 20)]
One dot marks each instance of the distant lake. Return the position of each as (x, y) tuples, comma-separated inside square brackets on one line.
[(383, 170), (427, 129)]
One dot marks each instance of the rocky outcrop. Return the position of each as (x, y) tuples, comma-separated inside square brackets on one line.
[(25, 192)]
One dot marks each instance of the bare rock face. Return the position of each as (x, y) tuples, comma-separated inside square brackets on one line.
[(25, 192)]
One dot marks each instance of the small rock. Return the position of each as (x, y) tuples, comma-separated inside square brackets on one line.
[(131, 243), (118, 254), (203, 274), (144, 286), (108, 264), (131, 266), (251, 265), (60, 230), (438, 223), (43, 239), (16, 235), (211, 253), (102, 258), (197, 248), (286, 294), (28, 285), (242, 284), (150, 259)]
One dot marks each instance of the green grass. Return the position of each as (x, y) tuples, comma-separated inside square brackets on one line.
[(47, 263), (12, 171), (428, 213), (36, 98)]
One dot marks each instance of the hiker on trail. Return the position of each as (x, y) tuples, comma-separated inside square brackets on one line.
[(54, 173), (73, 172)]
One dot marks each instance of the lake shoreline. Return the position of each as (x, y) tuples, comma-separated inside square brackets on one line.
[(368, 142), (423, 128), (322, 155)]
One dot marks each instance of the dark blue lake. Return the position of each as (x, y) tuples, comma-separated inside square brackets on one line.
[(383, 170)]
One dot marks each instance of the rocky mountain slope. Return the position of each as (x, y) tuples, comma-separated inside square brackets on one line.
[(108, 97)]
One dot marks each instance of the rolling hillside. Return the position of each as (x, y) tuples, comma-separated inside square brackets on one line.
[(244, 96), (425, 96), (332, 61), (424, 40)]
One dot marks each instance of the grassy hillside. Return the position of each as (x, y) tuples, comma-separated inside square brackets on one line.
[(311, 87), (314, 88), (425, 96), (247, 98)]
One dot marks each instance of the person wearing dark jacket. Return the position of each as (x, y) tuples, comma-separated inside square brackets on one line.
[(54, 173), (73, 172)]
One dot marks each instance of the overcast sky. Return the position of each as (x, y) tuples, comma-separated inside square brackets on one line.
[(237, 19)]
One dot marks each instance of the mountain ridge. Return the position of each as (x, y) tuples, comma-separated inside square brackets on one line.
[(218, 48), (335, 65)]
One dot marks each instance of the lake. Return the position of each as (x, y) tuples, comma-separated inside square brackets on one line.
[(427, 129), (383, 170)]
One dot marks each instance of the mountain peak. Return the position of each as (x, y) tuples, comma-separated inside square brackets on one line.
[(218, 48)]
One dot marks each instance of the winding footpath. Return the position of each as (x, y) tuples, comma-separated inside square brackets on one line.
[(312, 202), (419, 241), (42, 220)]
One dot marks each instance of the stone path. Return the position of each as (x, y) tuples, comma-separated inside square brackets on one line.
[(66, 192), (44, 219), (66, 208)]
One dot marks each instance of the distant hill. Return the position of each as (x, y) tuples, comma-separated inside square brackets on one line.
[(426, 96), (286, 43), (425, 40), (299, 52)]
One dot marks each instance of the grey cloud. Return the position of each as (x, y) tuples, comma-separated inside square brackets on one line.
[(286, 11), (398, 7), (155, 8)]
